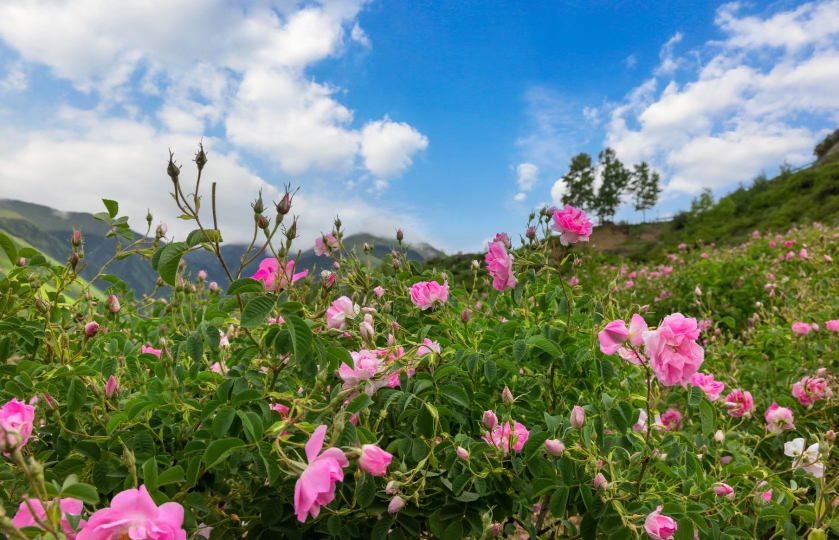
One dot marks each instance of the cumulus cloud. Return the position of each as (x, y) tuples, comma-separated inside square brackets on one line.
[(170, 72), (718, 115), (89, 158), (387, 147), (527, 174)]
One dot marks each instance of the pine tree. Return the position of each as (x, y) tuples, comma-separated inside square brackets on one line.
[(615, 181), (645, 187), (579, 182)]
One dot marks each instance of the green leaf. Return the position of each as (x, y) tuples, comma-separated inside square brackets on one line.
[(222, 421), (695, 397), (605, 370), (83, 492), (245, 285), (738, 533), (535, 444), (359, 402), (170, 258), (150, 474), (519, 350), (115, 422), (684, 530), (336, 356), (490, 370), (707, 416), (219, 450), (806, 512), (456, 394), (256, 311), (365, 490), (454, 531), (301, 336), (8, 248), (112, 206), (76, 395), (252, 423), (198, 237), (173, 475), (381, 528), (195, 346), (211, 336), (544, 344), (559, 500), (426, 421)]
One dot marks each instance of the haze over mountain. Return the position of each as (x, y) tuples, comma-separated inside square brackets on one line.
[(49, 231)]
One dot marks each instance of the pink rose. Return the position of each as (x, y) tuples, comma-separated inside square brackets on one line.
[(134, 514), (712, 388), (674, 354), (326, 244), (501, 435), (426, 294), (316, 486), (600, 482), (574, 281), (613, 336), (659, 527), (739, 403), (671, 420), (504, 238), (724, 490), (500, 267), (427, 347), (637, 327), (374, 460), (17, 417), (578, 417), (833, 325), (641, 424), (801, 328), (379, 292), (269, 273), (765, 495), (338, 313), (24, 518), (151, 350), (778, 419), (280, 408), (366, 365), (572, 225), (810, 390)]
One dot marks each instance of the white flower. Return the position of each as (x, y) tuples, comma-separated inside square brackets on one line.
[(806, 459)]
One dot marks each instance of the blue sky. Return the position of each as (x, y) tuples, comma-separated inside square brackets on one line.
[(451, 119)]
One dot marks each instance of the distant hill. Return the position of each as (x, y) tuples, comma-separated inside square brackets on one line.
[(49, 231)]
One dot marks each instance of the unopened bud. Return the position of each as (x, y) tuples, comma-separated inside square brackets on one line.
[(399, 235), (263, 222), (91, 328), (113, 304), (507, 396), (830, 435), (396, 263), (284, 206), (42, 305), (257, 205), (149, 217), (161, 230), (76, 239), (172, 169), (462, 453), (200, 157), (578, 417), (531, 232)]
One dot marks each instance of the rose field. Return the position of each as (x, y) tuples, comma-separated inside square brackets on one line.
[(552, 393)]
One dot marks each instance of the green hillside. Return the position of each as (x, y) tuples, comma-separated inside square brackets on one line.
[(49, 231)]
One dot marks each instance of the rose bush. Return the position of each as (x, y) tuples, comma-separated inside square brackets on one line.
[(399, 404)]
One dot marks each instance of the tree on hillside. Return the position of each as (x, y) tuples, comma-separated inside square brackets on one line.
[(824, 147), (645, 187), (579, 182), (702, 203), (615, 181)]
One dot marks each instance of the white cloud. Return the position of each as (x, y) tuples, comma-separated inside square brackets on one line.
[(238, 66), (520, 197), (16, 78), (387, 147), (527, 174), (630, 61), (558, 191), (762, 95), (72, 167)]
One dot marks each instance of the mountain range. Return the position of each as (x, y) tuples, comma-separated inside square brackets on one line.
[(49, 231)]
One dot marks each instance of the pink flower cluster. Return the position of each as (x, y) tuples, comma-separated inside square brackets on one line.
[(73, 507), (274, 279), (712, 388), (338, 313), (367, 366), (316, 486), (326, 244), (133, 514), (740, 403), (778, 419), (810, 390), (16, 418), (572, 225), (501, 435), (500, 266), (426, 294)]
